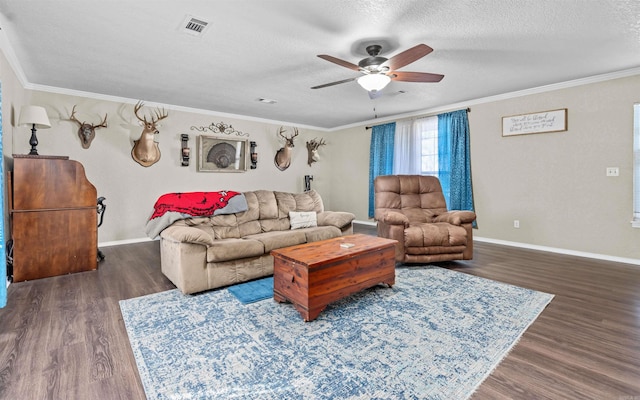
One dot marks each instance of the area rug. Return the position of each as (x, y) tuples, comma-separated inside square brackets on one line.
[(436, 334), (250, 292)]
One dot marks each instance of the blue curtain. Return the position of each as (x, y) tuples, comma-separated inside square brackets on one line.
[(454, 160), (381, 156), (3, 257)]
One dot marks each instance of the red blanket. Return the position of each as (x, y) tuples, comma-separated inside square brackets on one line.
[(196, 204)]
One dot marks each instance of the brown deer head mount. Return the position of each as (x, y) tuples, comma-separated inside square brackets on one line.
[(283, 156), (87, 132), (312, 150), (146, 151)]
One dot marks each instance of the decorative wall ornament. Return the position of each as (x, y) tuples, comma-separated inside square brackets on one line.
[(283, 155), (540, 122), (146, 151), (307, 182), (86, 132), (312, 150), (185, 151), (220, 127), (221, 154), (254, 155)]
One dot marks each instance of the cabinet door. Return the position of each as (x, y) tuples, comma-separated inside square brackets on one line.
[(54, 242)]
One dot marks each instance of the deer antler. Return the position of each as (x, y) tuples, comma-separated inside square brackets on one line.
[(281, 131), (103, 124), (73, 118), (314, 144), (160, 115), (137, 108)]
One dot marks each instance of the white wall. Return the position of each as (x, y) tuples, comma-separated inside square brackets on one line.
[(131, 189), (553, 183)]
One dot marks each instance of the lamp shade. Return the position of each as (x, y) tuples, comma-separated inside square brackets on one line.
[(374, 81), (30, 115)]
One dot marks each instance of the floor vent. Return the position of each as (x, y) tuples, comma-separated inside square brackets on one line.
[(194, 26)]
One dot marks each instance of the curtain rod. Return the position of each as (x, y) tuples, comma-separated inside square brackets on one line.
[(467, 109)]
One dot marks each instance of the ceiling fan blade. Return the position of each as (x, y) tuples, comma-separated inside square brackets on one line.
[(407, 57), (334, 83), (415, 76), (340, 62)]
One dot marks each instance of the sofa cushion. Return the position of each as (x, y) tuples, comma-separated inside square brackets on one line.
[(302, 219), (307, 201), (339, 219), (279, 239), (267, 204), (249, 228), (435, 234), (321, 233), (230, 249), (187, 234)]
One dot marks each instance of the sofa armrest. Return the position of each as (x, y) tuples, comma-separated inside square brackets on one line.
[(456, 217), (339, 219), (187, 234), (394, 218)]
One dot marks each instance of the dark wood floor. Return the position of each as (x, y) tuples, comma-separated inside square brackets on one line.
[(63, 337)]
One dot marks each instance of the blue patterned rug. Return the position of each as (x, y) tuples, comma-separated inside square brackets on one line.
[(437, 334)]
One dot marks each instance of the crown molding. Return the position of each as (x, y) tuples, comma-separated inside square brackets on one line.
[(505, 96), (7, 49)]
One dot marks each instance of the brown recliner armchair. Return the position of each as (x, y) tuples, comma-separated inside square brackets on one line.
[(412, 210)]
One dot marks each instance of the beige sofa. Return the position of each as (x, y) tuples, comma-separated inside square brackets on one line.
[(203, 253)]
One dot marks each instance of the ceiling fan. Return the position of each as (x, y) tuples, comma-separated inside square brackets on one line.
[(378, 71)]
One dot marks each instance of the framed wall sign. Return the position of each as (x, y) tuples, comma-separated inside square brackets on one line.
[(540, 122), (222, 155)]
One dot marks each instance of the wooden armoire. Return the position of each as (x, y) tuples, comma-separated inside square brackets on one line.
[(53, 217)]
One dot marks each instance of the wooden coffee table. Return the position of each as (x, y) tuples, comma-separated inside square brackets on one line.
[(312, 275)]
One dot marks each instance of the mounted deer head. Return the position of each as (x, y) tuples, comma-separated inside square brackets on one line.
[(283, 156), (312, 149), (87, 132), (146, 151)]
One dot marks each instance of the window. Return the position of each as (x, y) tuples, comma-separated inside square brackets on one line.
[(636, 166), (429, 141)]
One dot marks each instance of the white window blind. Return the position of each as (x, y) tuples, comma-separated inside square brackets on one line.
[(636, 165)]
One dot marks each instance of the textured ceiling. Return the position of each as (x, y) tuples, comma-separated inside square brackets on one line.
[(255, 49)]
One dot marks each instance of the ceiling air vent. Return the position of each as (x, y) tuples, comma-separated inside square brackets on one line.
[(194, 26)]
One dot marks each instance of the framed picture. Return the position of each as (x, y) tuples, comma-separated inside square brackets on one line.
[(540, 122), (222, 155)]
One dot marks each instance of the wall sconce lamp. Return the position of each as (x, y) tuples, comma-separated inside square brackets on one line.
[(35, 116), (254, 155), (185, 152)]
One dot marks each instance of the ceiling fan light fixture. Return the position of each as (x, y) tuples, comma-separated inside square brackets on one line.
[(374, 82)]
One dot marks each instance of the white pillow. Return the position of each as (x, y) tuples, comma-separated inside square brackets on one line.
[(303, 219)]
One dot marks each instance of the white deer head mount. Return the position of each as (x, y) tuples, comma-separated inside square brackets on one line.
[(312, 150)]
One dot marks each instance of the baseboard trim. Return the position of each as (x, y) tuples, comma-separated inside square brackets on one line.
[(127, 241), (596, 256), (604, 257), (370, 223), (528, 246)]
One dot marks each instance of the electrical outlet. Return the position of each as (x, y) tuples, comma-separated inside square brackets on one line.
[(613, 171), (516, 223)]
